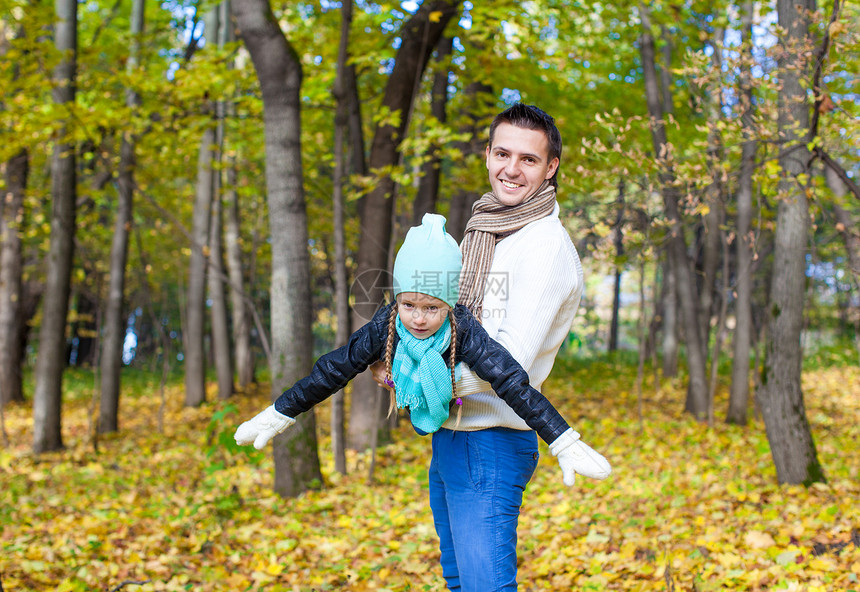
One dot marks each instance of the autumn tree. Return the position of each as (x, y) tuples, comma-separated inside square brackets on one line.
[(418, 37), (280, 75), (697, 391), (781, 397), (51, 363), (114, 324), (743, 332)]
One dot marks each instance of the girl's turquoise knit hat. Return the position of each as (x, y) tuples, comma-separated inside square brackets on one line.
[(429, 261)]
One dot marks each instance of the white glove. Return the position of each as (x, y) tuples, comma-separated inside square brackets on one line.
[(262, 427), (575, 456)]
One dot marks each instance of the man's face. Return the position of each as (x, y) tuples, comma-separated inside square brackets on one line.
[(518, 162)]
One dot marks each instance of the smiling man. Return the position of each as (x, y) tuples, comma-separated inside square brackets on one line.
[(523, 279)]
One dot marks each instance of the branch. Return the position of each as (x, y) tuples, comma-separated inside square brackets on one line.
[(192, 41), (102, 26), (128, 583), (819, 66), (838, 169)]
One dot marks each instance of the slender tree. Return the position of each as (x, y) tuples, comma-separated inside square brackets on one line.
[(215, 275), (618, 240), (711, 243), (669, 316), (780, 395), (51, 362), (241, 317), (280, 74), (341, 128), (12, 223), (11, 288), (195, 306), (418, 36), (114, 324), (428, 186), (697, 389), (743, 332)]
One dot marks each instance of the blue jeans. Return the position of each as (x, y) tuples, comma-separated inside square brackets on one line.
[(477, 481)]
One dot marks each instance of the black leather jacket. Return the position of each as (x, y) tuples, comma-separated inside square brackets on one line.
[(485, 356)]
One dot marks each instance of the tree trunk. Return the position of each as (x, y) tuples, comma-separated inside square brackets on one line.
[(195, 316), (619, 254), (243, 354), (114, 333), (419, 36), (47, 397), (781, 397), (428, 187), (279, 70), (669, 317), (215, 272), (341, 289), (711, 240), (218, 310), (481, 97), (666, 71), (697, 389), (743, 332), (11, 288)]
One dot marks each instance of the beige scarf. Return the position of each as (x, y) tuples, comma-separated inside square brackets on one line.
[(491, 222)]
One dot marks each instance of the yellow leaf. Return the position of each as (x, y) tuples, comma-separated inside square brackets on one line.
[(274, 569), (435, 16), (822, 563), (755, 539)]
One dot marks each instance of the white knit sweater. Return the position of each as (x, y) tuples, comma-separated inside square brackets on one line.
[(530, 299)]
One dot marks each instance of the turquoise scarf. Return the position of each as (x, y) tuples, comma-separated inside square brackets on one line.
[(421, 378)]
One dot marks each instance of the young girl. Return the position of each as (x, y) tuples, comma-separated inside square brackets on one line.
[(414, 336)]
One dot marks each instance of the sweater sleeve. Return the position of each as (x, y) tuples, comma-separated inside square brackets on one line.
[(334, 370), (493, 363)]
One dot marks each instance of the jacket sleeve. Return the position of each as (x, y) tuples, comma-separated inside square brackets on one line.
[(492, 362), (334, 370)]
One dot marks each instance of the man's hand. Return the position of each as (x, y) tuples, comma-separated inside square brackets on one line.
[(575, 456), (262, 427)]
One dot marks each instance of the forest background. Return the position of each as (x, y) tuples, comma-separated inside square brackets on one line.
[(201, 197)]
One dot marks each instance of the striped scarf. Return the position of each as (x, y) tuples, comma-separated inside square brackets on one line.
[(490, 223), (422, 380)]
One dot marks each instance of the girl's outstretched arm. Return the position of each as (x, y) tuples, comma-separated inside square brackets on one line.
[(330, 373)]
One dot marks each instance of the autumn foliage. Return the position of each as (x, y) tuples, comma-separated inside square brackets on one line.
[(687, 507)]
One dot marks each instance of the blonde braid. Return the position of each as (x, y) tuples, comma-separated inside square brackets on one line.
[(453, 363), (389, 353)]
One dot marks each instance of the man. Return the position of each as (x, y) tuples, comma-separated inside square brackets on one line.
[(523, 279)]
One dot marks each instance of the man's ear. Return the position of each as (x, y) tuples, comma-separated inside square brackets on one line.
[(553, 167)]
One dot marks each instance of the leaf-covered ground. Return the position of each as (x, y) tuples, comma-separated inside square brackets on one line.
[(687, 507)]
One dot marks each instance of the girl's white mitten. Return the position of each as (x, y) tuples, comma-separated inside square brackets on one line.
[(262, 427), (575, 456)]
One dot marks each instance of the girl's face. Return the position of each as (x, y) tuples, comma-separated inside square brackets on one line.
[(422, 315)]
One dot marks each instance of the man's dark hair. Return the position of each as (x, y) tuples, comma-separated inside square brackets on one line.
[(533, 118)]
